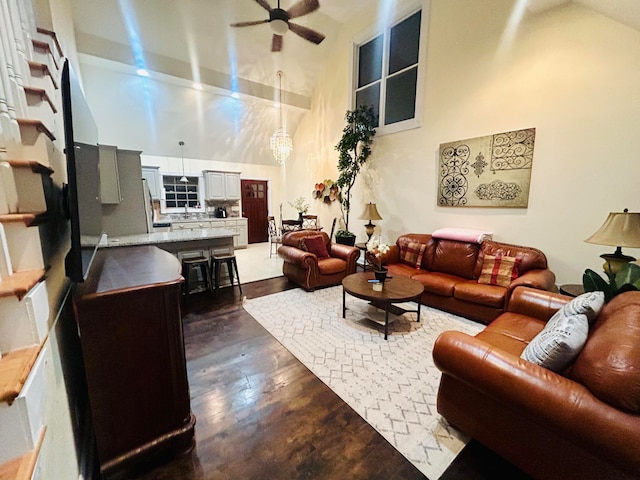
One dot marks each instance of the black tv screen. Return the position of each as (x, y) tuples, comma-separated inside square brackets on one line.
[(82, 196)]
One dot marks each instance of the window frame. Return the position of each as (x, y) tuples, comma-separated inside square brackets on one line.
[(163, 197), (370, 34)]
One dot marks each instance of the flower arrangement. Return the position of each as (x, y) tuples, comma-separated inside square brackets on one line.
[(376, 249), (327, 191), (301, 205)]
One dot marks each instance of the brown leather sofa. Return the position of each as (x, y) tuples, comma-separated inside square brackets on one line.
[(450, 270), (581, 424), (310, 272)]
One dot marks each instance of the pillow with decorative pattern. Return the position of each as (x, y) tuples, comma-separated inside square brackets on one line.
[(412, 252)]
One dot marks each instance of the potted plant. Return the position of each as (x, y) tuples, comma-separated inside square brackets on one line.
[(301, 206), (627, 279), (354, 149)]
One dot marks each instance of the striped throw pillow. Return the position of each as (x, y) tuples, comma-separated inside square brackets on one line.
[(412, 252), (499, 269)]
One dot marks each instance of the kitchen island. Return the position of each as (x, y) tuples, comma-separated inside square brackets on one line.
[(182, 243)]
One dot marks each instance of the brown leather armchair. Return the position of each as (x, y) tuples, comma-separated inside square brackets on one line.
[(306, 268), (581, 423)]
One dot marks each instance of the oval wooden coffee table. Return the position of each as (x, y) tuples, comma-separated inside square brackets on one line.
[(395, 290)]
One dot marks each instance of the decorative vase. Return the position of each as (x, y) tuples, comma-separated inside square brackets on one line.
[(300, 217), (380, 274)]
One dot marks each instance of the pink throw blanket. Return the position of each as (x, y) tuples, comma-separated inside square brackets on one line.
[(462, 234)]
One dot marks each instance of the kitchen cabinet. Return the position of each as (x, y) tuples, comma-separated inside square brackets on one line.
[(243, 233), (130, 326), (152, 174), (189, 225), (222, 185), (109, 178)]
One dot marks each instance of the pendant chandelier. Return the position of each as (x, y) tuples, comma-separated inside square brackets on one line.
[(281, 143), (183, 179)]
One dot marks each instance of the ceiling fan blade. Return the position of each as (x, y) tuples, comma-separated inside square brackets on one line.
[(302, 8), (249, 24), (306, 33), (276, 43), (264, 4)]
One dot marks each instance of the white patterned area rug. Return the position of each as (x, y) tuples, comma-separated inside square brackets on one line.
[(392, 384)]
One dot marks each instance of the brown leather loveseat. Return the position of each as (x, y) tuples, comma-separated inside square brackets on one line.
[(311, 260), (582, 423), (453, 273)]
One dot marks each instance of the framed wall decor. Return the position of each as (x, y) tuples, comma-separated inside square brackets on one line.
[(489, 171)]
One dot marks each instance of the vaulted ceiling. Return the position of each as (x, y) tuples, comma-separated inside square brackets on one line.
[(191, 40)]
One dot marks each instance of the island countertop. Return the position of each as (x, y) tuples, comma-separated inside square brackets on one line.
[(176, 236)]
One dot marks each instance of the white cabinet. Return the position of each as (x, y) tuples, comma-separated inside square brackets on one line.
[(109, 179), (232, 186), (152, 175), (222, 185), (243, 233)]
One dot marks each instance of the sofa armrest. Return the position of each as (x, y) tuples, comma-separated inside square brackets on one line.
[(347, 253), (544, 279), (536, 303), (547, 398)]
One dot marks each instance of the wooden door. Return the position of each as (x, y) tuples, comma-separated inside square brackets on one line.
[(254, 208)]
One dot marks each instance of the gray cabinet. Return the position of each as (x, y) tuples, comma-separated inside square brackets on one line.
[(109, 179), (152, 175), (222, 185)]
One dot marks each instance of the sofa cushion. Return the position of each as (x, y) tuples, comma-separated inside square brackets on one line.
[(474, 292), (565, 334), (559, 342), (402, 269), (499, 269), (331, 265), (438, 283), (315, 244), (411, 253), (455, 258), (610, 361), (511, 332)]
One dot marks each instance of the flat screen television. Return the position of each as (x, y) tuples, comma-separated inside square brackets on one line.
[(82, 192)]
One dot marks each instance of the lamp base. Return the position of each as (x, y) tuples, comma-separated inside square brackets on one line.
[(369, 228), (613, 262)]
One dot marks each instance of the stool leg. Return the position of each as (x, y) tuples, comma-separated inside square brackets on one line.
[(235, 264), (218, 263), (230, 270)]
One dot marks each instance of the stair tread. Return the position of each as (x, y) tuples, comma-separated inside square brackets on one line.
[(14, 370), (21, 468), (18, 284)]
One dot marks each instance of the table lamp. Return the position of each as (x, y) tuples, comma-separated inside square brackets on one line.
[(370, 213), (620, 229)]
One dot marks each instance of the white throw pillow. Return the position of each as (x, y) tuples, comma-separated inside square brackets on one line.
[(565, 334)]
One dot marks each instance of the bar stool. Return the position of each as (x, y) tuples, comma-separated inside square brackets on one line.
[(197, 265), (232, 267)]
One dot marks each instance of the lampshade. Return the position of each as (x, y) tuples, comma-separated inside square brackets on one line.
[(620, 229), (370, 212)]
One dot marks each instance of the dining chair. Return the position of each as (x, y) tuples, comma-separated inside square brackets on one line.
[(291, 225), (309, 222), (275, 237)]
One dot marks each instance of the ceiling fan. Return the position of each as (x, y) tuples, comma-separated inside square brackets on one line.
[(280, 24)]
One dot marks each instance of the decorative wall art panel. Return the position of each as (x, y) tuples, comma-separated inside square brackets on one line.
[(490, 171)]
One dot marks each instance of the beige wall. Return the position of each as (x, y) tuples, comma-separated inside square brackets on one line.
[(569, 72)]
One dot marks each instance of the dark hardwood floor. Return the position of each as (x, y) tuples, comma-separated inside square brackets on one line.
[(261, 414)]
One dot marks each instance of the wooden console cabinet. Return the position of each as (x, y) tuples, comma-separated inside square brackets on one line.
[(128, 314)]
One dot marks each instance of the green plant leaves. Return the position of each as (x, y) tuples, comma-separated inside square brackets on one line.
[(627, 279)]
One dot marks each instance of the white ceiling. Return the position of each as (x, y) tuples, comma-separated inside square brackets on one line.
[(192, 40)]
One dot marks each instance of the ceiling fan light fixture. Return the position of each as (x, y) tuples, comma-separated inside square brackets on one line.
[(279, 27)]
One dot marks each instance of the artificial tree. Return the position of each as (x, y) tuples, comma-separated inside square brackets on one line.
[(354, 149)]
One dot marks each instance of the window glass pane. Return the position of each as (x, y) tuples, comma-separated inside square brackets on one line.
[(403, 43), (370, 96), (370, 62), (400, 103)]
